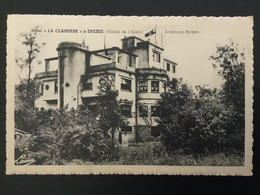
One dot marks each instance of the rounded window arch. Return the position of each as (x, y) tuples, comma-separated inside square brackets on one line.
[(47, 87)]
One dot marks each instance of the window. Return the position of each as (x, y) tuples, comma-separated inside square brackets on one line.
[(133, 61), (47, 87), (173, 68), (155, 110), (127, 129), (143, 111), (143, 86), (119, 59), (87, 86), (52, 102), (156, 56), (168, 66), (126, 110), (126, 84), (155, 86), (155, 131), (55, 86)]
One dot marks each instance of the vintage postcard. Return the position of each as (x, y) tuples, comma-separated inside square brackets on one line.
[(129, 95)]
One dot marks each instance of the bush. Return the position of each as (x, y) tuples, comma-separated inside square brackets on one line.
[(88, 144), (71, 134)]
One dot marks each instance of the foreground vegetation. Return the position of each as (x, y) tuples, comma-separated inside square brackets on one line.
[(146, 153), (153, 153)]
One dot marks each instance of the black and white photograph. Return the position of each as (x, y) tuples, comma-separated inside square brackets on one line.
[(129, 95)]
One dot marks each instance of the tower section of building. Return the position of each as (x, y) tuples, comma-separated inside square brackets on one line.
[(72, 65)]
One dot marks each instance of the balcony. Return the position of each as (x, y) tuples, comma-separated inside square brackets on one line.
[(110, 66), (149, 95), (89, 93), (152, 71), (49, 96), (46, 74)]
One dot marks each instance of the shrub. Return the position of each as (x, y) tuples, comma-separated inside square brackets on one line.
[(71, 134)]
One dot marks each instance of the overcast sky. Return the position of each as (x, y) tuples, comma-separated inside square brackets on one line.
[(190, 51)]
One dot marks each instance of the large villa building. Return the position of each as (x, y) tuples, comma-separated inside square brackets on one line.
[(139, 70)]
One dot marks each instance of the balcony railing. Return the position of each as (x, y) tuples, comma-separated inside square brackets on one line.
[(99, 67), (107, 66), (53, 73), (151, 71)]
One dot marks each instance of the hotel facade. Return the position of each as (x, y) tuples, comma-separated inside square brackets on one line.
[(139, 70)]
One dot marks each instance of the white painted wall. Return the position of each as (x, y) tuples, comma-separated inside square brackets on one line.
[(74, 67)]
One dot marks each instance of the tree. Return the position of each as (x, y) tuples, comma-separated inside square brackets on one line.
[(25, 115), (108, 107), (27, 90), (197, 122), (33, 47), (174, 107), (230, 64), (24, 96)]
